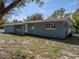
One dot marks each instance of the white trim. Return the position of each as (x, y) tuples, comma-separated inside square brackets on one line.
[(50, 28), (26, 28)]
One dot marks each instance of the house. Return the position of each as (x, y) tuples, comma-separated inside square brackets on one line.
[(54, 28)]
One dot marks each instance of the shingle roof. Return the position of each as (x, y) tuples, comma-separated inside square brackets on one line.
[(63, 19)]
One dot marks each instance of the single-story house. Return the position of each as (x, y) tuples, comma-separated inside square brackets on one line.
[(54, 28)]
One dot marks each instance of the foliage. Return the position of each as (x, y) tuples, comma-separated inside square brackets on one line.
[(75, 21), (77, 10), (58, 13), (24, 2), (36, 16), (6, 21), (14, 21), (15, 3), (1, 5), (67, 14)]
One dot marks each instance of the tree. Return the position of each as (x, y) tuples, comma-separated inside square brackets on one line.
[(75, 21), (61, 12), (1, 5), (14, 21), (1, 8), (77, 10), (67, 14), (14, 4), (5, 20), (34, 17), (18, 3), (58, 13)]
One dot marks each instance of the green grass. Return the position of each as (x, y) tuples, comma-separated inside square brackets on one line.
[(1, 30), (30, 47)]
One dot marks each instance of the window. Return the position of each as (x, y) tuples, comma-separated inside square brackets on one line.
[(47, 25), (50, 26)]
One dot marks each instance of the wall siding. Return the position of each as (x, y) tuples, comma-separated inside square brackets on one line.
[(22, 29), (12, 29), (9, 29), (40, 29)]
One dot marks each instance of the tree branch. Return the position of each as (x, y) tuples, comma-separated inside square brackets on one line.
[(7, 9)]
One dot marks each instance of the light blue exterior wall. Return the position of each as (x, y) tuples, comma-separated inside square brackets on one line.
[(40, 29), (9, 29), (21, 31), (13, 29)]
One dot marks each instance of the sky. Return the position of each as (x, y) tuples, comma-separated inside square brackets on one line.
[(46, 9)]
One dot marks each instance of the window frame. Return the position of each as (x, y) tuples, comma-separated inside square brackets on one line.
[(50, 26)]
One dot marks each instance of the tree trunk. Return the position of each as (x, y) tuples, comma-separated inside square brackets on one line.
[(7, 9), (4, 11)]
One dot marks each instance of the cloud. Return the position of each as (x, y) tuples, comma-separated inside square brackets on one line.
[(41, 11), (74, 3)]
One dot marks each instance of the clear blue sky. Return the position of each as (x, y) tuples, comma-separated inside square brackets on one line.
[(47, 9)]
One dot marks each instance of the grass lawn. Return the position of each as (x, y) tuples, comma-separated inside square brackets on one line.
[(31, 47), (1, 30)]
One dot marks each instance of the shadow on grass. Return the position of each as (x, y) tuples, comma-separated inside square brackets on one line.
[(74, 40)]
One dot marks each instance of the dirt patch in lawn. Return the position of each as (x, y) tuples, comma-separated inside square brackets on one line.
[(31, 47)]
